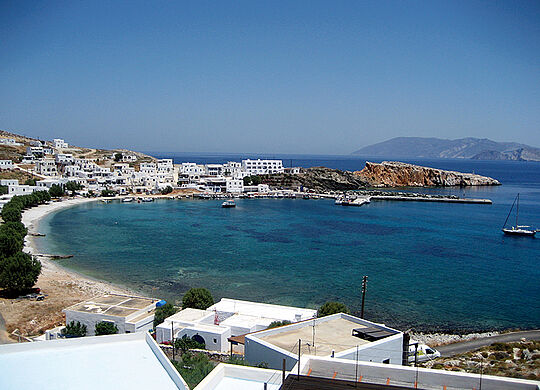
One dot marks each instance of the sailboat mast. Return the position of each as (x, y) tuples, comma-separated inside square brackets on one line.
[(517, 211)]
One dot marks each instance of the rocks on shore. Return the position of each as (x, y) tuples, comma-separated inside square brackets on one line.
[(398, 174)]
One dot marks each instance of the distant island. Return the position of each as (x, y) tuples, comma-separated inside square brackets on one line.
[(469, 148)]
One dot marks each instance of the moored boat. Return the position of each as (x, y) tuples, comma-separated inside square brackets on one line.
[(517, 230), (127, 200), (228, 204), (147, 199)]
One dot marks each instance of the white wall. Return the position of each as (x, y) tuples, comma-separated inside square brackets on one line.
[(91, 319), (258, 351)]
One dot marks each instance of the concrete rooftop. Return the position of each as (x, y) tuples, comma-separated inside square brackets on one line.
[(333, 335)]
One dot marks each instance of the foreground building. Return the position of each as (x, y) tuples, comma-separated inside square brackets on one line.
[(229, 317), (132, 361), (338, 336), (130, 314)]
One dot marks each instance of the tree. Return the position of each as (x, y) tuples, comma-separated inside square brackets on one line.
[(19, 272), (186, 343), (163, 312), (73, 186), (10, 242), (104, 327), (56, 191), (118, 157), (107, 193), (15, 228), (30, 182), (332, 308), (197, 298), (11, 213), (276, 324), (166, 190), (252, 180), (4, 190), (74, 329)]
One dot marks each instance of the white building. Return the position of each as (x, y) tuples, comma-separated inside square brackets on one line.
[(235, 377), (229, 317), (46, 167), (259, 167), (316, 371), (64, 158), (6, 164), (9, 182), (235, 185), (129, 313), (130, 361), (22, 189), (45, 185), (59, 143), (35, 151), (338, 335), (9, 142)]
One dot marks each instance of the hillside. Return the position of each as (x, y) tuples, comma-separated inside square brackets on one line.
[(472, 148), (103, 157)]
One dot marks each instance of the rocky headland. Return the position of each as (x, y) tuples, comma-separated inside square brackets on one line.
[(398, 174)]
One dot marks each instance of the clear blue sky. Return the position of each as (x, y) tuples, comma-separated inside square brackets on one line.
[(269, 77)]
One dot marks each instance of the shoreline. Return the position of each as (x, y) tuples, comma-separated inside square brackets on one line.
[(62, 282), (31, 219)]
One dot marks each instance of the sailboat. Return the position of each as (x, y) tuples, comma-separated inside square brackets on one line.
[(518, 230)]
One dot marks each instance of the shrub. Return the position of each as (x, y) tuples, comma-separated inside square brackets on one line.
[(4, 190), (11, 213), (74, 329), (104, 327), (276, 324), (193, 367), (163, 312), (10, 242), (186, 343), (167, 190), (108, 193), (197, 298), (19, 272), (30, 182), (332, 308), (56, 191)]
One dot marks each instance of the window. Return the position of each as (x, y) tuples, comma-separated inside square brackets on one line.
[(386, 361), (215, 341)]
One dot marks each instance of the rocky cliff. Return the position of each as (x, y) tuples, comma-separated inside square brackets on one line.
[(318, 178), (398, 174)]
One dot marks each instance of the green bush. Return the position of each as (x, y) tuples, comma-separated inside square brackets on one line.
[(11, 213), (193, 368), (108, 193), (19, 272), (197, 298), (56, 191), (276, 324), (186, 343), (4, 190), (163, 312), (30, 182), (74, 329), (10, 243), (104, 327), (167, 190), (332, 308)]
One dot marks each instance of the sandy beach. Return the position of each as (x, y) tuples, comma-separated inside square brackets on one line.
[(62, 287)]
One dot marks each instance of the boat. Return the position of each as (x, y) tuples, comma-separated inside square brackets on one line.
[(355, 202), (228, 204), (105, 200), (147, 199), (127, 200), (517, 230)]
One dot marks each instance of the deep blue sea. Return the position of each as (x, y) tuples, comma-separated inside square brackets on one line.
[(430, 266)]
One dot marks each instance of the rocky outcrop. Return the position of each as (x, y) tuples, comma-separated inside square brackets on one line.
[(398, 174), (318, 179)]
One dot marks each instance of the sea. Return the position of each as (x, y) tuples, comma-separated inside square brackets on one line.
[(430, 266)]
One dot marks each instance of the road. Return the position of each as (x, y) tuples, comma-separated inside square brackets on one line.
[(466, 346)]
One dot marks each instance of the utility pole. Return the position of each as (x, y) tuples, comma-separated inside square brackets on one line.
[(364, 288)]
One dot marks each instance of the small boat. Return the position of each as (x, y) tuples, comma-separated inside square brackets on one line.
[(517, 230), (105, 200), (228, 204), (355, 202), (338, 201), (147, 199), (127, 200)]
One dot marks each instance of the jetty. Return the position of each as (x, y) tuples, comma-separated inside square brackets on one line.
[(431, 199)]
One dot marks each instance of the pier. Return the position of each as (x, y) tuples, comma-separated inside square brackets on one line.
[(431, 199)]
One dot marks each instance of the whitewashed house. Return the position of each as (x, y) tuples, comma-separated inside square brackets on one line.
[(60, 143), (6, 164), (21, 189), (259, 167), (234, 186), (46, 167)]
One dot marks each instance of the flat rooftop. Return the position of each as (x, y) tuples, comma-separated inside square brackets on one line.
[(332, 335), (102, 362), (265, 310), (113, 305), (190, 315)]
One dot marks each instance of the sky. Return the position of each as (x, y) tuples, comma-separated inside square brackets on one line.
[(310, 77)]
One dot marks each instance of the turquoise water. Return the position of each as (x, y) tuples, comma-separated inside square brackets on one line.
[(430, 266)]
